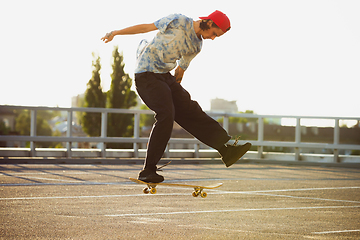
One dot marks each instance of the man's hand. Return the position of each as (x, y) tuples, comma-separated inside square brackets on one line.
[(108, 37), (179, 73)]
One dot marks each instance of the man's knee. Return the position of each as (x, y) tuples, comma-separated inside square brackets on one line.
[(165, 118)]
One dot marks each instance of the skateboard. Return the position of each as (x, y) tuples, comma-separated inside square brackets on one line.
[(198, 190)]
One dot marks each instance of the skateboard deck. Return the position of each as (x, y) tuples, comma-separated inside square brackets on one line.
[(198, 190)]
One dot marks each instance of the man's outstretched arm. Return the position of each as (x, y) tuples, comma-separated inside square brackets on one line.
[(141, 28)]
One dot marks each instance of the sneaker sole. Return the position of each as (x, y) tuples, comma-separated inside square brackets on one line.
[(151, 180)]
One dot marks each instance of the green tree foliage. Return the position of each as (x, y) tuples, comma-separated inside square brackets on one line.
[(120, 96), (94, 97), (240, 119), (43, 128), (243, 120), (4, 130)]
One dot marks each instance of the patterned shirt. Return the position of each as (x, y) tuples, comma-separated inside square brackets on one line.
[(175, 43)]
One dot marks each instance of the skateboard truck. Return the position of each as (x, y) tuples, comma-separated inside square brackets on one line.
[(198, 191), (151, 188)]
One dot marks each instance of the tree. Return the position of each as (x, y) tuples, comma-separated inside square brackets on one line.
[(43, 128), (240, 119), (120, 96), (94, 97), (4, 130)]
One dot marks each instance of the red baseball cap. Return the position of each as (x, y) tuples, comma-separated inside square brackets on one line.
[(220, 19)]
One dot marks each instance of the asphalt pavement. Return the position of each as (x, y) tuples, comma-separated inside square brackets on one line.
[(256, 201)]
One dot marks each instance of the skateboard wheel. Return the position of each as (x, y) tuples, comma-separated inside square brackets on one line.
[(195, 194), (153, 190), (203, 194), (146, 190)]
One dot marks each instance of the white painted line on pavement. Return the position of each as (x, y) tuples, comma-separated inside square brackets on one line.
[(226, 210), (42, 173), (341, 231), (309, 198), (299, 189), (53, 179), (99, 196)]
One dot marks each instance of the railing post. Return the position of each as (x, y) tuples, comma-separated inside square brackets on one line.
[(69, 133), (136, 134), (260, 137), (196, 152), (226, 123), (32, 132), (167, 151), (297, 138), (103, 133), (336, 140)]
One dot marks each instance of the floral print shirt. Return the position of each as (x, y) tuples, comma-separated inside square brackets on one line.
[(175, 43)]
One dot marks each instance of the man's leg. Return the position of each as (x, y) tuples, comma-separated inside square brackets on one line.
[(190, 116), (156, 94)]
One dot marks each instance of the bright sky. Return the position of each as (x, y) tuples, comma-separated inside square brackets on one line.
[(281, 57)]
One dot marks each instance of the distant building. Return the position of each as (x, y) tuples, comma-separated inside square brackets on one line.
[(222, 105), (78, 100)]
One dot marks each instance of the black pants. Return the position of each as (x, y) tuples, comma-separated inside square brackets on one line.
[(171, 102)]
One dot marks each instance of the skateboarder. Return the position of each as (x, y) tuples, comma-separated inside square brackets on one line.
[(178, 41)]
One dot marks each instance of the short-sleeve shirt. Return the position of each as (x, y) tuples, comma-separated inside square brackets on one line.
[(175, 43)]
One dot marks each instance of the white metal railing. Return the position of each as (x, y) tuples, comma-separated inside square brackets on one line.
[(136, 139)]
